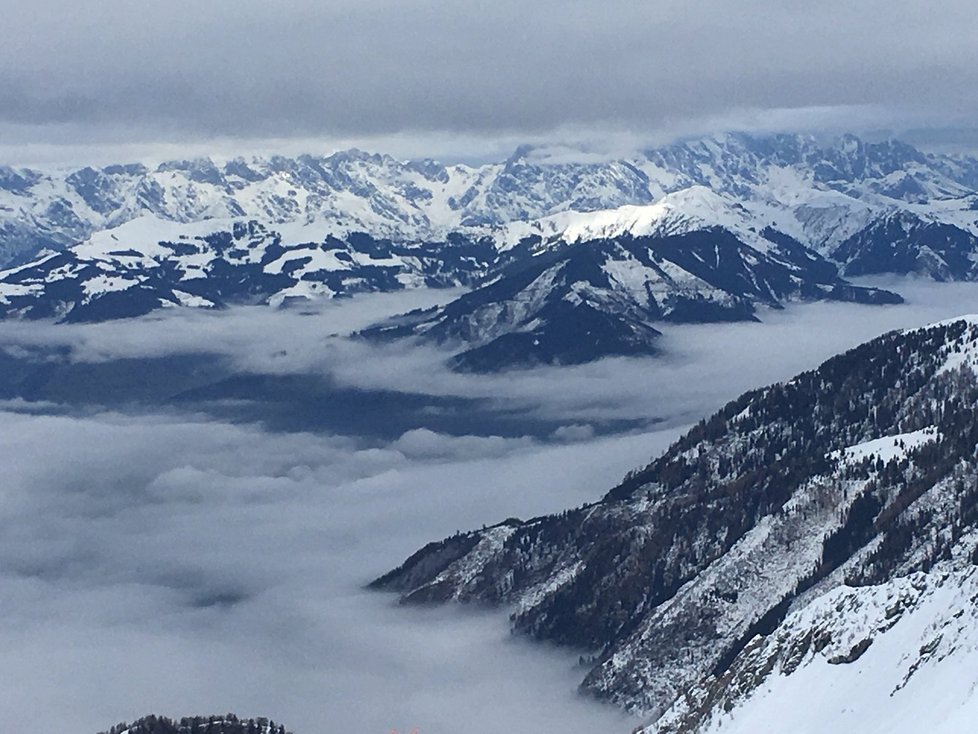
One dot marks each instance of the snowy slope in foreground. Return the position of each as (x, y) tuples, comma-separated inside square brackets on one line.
[(898, 658), (815, 541)]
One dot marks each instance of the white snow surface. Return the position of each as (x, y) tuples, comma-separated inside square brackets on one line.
[(887, 448), (919, 673)]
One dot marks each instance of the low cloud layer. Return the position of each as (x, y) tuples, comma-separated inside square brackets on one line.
[(702, 365), (179, 564), (119, 71)]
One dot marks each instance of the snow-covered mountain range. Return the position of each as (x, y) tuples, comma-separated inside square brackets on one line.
[(349, 191), (595, 285), (565, 250), (147, 264), (791, 182), (806, 556)]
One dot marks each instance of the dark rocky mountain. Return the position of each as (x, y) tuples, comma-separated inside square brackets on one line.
[(226, 724), (599, 287), (905, 243), (827, 521)]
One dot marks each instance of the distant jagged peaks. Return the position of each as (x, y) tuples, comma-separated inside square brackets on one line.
[(574, 256), (376, 193), (734, 158)]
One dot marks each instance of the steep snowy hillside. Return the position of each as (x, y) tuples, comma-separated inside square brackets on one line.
[(598, 286), (812, 542), (892, 658)]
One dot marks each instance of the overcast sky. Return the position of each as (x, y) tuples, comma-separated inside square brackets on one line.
[(444, 76)]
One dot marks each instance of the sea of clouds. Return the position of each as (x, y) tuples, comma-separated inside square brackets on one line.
[(165, 561)]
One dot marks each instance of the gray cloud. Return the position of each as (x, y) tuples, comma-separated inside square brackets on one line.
[(703, 365), (122, 70), (179, 564)]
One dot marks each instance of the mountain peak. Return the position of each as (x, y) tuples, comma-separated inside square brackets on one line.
[(696, 207), (358, 155), (384, 196), (521, 152)]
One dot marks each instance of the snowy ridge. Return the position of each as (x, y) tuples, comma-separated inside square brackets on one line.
[(686, 210), (599, 285), (812, 539), (683, 211), (147, 263)]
